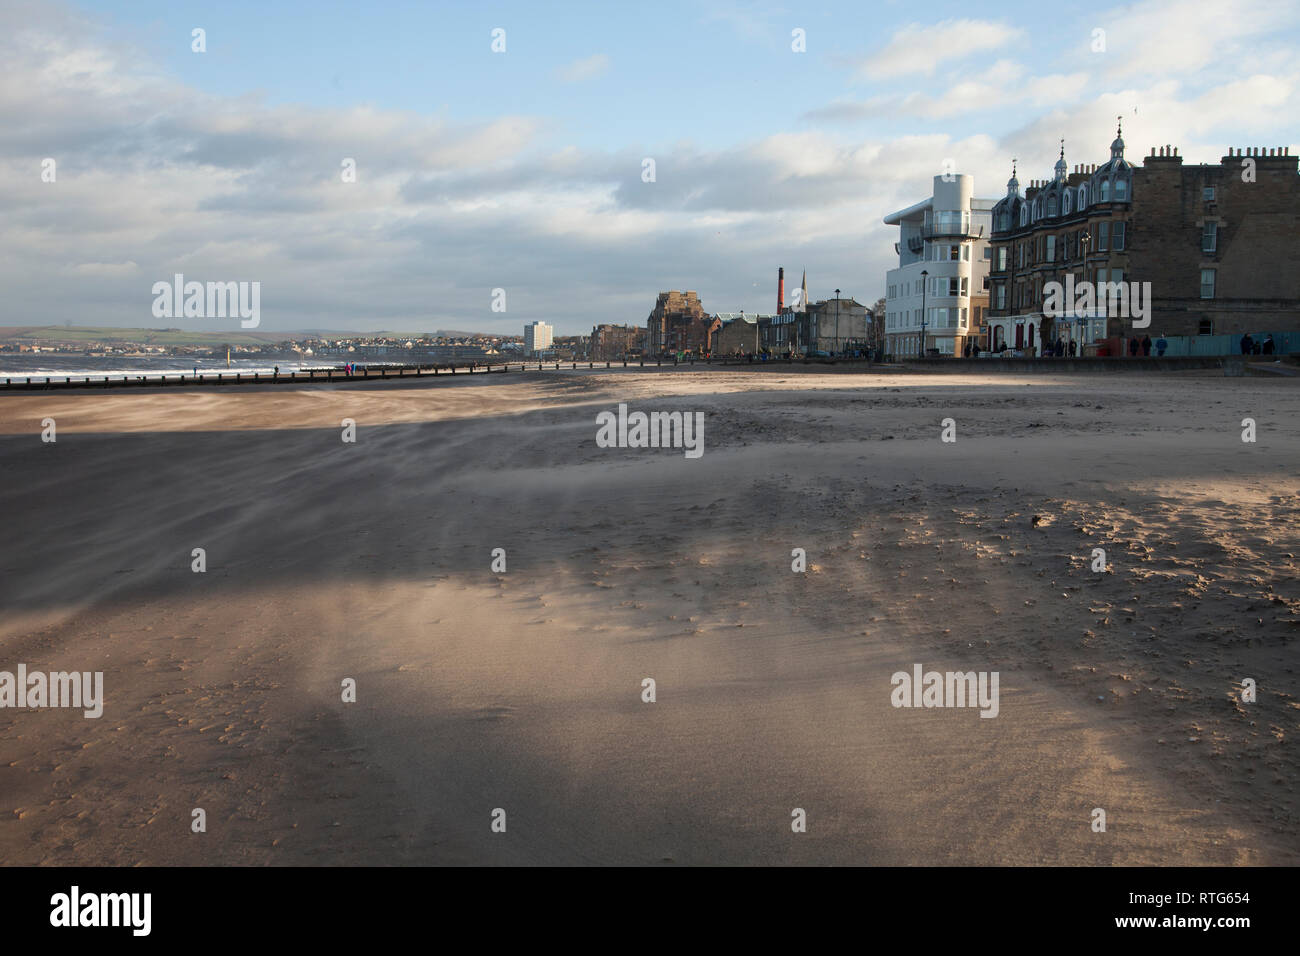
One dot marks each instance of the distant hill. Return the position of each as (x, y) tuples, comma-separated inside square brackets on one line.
[(45, 334), (41, 334)]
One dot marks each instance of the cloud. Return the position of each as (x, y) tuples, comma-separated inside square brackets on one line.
[(923, 49), (586, 69), (156, 177)]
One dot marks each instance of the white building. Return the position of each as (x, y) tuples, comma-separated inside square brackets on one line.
[(537, 336), (939, 289)]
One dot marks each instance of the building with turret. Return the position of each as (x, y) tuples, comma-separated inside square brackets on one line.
[(1099, 255)]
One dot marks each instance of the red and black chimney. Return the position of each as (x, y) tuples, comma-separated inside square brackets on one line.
[(780, 290)]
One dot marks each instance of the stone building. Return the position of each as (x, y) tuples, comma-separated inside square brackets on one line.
[(609, 342), (737, 334), (680, 324), (835, 325), (1102, 254)]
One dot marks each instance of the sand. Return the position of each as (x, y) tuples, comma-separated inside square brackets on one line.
[(523, 691)]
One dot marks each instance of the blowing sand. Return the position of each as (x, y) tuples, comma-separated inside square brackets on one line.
[(523, 691)]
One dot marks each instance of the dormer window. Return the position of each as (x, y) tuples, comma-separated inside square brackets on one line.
[(1051, 207), (1121, 190), (1024, 215), (1105, 190), (1065, 202), (1083, 196)]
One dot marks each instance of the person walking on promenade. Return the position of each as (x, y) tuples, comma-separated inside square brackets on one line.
[(1161, 344), (1246, 343), (1074, 348), (1146, 345), (1133, 347), (1268, 345)]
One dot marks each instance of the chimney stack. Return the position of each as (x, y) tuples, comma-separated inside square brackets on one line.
[(780, 290)]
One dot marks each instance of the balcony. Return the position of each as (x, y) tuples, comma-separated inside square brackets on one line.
[(951, 230)]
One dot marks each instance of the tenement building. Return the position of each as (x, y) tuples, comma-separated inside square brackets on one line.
[(609, 342), (936, 298), (680, 324), (1100, 255)]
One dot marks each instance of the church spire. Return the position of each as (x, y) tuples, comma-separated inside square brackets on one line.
[(803, 291)]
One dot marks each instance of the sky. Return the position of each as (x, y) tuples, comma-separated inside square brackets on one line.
[(779, 135)]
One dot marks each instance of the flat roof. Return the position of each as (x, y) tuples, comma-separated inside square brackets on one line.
[(894, 218)]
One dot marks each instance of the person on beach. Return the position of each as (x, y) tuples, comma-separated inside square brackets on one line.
[(1161, 344)]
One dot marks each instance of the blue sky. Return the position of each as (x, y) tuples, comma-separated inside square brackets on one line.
[(522, 170)]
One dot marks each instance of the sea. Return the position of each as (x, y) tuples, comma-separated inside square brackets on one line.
[(55, 365)]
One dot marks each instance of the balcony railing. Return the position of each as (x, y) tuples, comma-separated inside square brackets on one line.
[(955, 230)]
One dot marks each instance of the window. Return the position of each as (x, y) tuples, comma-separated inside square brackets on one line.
[(1121, 190), (1206, 327), (988, 252), (1002, 258), (1051, 248), (954, 253), (1208, 194), (1117, 236), (1210, 237), (1103, 236), (963, 318), (1207, 283), (1024, 214), (965, 253), (1083, 197), (954, 287), (1051, 207), (964, 285), (1001, 297), (1065, 202)]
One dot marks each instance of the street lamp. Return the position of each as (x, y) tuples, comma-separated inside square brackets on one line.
[(1084, 241), (837, 321), (924, 278)]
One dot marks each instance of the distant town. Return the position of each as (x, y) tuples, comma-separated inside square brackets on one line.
[(1099, 260)]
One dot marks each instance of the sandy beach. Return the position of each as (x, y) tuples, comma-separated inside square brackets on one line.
[(522, 690)]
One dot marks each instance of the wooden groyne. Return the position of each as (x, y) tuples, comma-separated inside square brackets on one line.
[(1230, 364)]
